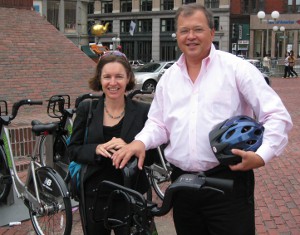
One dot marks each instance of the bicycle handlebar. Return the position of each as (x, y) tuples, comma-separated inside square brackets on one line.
[(193, 182), (184, 182), (20, 103), (190, 182)]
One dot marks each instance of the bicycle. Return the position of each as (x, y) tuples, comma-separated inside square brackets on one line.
[(44, 192), (139, 214), (159, 173), (59, 107)]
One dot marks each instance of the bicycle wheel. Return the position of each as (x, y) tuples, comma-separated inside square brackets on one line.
[(54, 215), (60, 154), (5, 185), (160, 178)]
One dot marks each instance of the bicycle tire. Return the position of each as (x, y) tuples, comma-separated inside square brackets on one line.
[(60, 154), (4, 171), (160, 179), (55, 216)]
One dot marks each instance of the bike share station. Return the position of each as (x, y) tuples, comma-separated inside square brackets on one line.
[(13, 209)]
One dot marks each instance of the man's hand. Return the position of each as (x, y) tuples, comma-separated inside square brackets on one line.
[(124, 154), (250, 160)]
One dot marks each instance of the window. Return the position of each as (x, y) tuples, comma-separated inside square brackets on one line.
[(167, 5), (106, 6), (144, 26), (188, 1), (146, 5), (217, 23), (125, 26), (297, 5), (53, 12), (91, 8), (167, 25), (70, 16), (125, 5), (290, 6), (211, 3)]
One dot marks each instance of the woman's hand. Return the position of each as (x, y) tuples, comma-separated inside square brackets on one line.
[(110, 147), (250, 160)]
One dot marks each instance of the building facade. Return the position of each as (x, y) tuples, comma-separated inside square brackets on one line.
[(145, 28), (255, 37), (153, 26), (152, 22)]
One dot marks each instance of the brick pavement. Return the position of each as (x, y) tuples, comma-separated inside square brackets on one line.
[(277, 193)]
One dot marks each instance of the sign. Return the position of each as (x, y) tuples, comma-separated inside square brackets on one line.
[(243, 42), (240, 32)]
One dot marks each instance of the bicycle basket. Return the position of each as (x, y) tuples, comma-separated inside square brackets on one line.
[(3, 108), (118, 212), (57, 104)]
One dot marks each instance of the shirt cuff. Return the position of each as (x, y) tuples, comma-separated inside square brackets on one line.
[(266, 153)]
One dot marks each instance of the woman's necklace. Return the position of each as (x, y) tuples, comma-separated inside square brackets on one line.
[(111, 116)]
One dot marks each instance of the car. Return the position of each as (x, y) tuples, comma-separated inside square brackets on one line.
[(258, 64), (136, 63), (147, 75)]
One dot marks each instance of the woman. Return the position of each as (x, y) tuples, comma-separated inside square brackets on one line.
[(115, 121), (287, 72), (292, 61)]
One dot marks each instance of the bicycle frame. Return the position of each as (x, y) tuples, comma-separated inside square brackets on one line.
[(19, 186)]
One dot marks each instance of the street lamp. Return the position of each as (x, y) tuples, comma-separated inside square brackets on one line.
[(261, 15), (174, 36), (281, 29), (116, 42)]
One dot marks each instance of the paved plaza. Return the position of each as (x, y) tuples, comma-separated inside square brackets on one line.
[(277, 185)]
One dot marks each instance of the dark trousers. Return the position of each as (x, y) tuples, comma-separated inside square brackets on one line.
[(286, 71), (292, 71), (208, 212)]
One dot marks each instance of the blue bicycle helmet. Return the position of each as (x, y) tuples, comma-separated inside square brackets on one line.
[(238, 132)]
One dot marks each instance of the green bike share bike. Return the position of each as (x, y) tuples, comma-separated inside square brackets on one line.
[(44, 192)]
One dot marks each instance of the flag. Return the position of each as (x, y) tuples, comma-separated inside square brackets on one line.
[(132, 28)]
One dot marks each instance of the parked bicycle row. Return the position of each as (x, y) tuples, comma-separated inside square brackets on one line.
[(49, 164)]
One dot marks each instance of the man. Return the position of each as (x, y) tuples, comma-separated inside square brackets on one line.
[(203, 88)]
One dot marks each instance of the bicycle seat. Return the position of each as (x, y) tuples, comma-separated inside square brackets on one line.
[(39, 127)]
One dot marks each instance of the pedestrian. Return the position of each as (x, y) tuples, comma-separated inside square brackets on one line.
[(115, 121), (292, 61), (287, 72), (266, 63), (210, 86)]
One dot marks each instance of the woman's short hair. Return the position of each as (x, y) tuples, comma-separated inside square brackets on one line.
[(109, 57)]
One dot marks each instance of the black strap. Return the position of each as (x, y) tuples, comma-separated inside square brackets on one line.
[(84, 169), (88, 120)]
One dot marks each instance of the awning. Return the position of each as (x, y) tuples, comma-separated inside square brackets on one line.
[(87, 50)]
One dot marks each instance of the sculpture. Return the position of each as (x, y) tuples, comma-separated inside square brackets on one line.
[(99, 29)]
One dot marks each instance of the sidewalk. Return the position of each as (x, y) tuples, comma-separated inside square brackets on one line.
[(277, 192)]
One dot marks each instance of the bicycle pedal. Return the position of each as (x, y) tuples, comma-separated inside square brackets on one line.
[(5, 179)]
